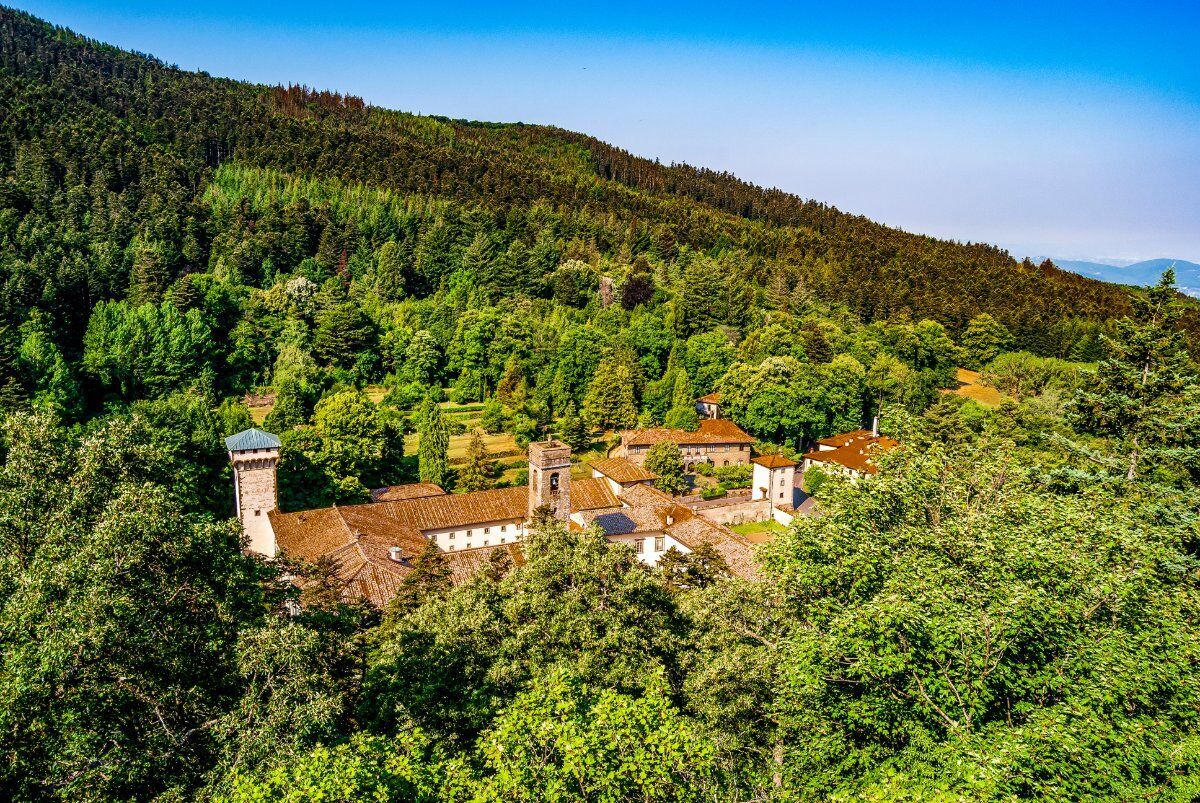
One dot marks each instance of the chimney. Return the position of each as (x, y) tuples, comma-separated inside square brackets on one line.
[(875, 427), (396, 554)]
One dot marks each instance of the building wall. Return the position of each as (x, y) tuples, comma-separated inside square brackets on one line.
[(739, 512), (654, 545), (778, 483), (550, 478), (490, 533), (256, 493), (708, 410), (829, 468), (719, 454)]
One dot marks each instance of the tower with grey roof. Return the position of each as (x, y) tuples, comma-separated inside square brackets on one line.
[(255, 458)]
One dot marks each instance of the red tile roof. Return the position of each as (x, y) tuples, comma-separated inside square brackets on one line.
[(773, 461), (465, 563), (592, 493), (857, 452), (399, 493), (620, 470), (710, 398), (459, 510), (736, 550), (843, 438), (637, 495), (358, 538), (712, 430)]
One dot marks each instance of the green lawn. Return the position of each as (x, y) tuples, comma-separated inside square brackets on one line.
[(759, 531)]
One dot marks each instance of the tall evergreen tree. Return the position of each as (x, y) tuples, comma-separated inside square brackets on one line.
[(433, 443), (610, 400), (573, 430), (682, 414), (476, 475), (389, 271), (1145, 394)]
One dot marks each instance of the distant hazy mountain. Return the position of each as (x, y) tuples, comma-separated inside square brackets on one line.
[(1187, 274)]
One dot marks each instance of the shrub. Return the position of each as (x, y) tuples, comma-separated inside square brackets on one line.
[(738, 475)]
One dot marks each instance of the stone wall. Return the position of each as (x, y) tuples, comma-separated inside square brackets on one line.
[(737, 511)]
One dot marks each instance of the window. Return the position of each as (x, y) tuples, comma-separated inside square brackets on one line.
[(554, 481), (468, 545), (469, 533), (781, 494), (258, 513), (639, 545), (503, 539), (451, 548), (781, 478), (503, 528), (487, 530), (451, 536), (659, 543), (485, 542)]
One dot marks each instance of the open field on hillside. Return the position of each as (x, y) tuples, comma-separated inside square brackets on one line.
[(970, 387)]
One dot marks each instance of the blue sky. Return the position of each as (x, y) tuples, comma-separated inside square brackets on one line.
[(1070, 129)]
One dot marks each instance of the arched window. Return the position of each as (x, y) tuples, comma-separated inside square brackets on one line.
[(554, 481)]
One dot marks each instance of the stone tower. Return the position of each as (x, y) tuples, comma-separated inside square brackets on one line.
[(550, 478), (255, 456)]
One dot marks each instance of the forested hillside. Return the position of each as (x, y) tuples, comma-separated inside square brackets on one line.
[(106, 156), (1009, 609)]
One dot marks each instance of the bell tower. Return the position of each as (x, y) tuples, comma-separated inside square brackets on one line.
[(550, 478), (255, 457)]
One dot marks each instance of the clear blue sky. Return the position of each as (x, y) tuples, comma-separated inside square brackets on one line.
[(1070, 129)]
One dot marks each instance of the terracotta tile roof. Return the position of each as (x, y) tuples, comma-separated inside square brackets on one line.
[(710, 398), (773, 461), (399, 493), (857, 453), (843, 438), (627, 520), (592, 493), (640, 495), (737, 551), (357, 539), (464, 564), (620, 470), (712, 430), (459, 510)]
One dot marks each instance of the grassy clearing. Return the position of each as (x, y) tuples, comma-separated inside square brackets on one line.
[(969, 387), (759, 532)]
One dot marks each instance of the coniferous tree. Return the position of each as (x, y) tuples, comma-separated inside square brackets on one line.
[(429, 579), (1146, 389), (433, 443), (778, 291), (476, 475), (389, 272), (150, 276), (682, 414), (573, 430), (702, 302), (610, 400)]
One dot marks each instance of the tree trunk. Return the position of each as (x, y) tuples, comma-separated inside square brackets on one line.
[(777, 755)]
